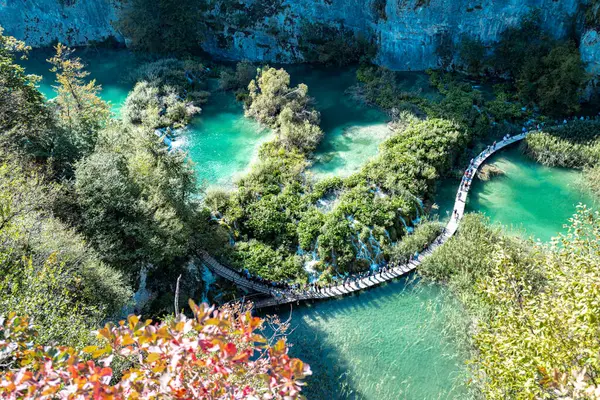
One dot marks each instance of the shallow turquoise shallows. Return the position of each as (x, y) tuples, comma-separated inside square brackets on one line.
[(388, 343), (222, 142), (110, 69), (352, 130), (530, 199)]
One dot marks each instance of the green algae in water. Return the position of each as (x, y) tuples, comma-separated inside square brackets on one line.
[(221, 141), (110, 69), (530, 199), (391, 342)]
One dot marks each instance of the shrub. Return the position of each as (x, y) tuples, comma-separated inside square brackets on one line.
[(47, 271), (270, 94), (262, 260), (574, 145), (238, 79), (423, 235), (326, 44), (215, 354), (524, 300), (167, 94)]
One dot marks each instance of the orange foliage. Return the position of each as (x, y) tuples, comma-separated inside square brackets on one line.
[(218, 354)]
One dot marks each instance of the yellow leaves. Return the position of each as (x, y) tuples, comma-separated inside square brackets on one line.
[(173, 358), (100, 352), (127, 340), (90, 349), (133, 321), (152, 357), (279, 346)]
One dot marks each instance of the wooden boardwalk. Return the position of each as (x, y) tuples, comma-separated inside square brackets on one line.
[(285, 296)]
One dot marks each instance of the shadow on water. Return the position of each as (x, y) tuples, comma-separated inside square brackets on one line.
[(391, 342)]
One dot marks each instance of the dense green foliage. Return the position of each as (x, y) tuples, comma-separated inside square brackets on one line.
[(574, 145), (415, 243), (47, 270), (534, 307), (25, 125), (472, 52), (135, 199), (167, 94), (460, 103), (592, 178), (80, 113), (331, 45), (238, 80), (545, 72)]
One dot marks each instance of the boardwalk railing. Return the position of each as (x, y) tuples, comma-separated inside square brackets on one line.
[(279, 296), (234, 276)]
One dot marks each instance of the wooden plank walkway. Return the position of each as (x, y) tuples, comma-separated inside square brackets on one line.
[(284, 296)]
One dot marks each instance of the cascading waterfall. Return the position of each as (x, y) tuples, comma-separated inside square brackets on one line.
[(310, 260), (209, 279), (419, 205), (370, 250), (409, 229)]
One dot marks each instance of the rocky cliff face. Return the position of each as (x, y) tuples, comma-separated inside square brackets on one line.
[(407, 31), (41, 22)]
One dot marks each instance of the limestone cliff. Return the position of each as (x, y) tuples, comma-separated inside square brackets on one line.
[(41, 22), (406, 31)]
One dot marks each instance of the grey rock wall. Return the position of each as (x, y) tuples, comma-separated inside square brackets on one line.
[(407, 37), (590, 51), (41, 22)]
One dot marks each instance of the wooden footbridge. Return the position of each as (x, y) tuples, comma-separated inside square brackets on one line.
[(279, 296)]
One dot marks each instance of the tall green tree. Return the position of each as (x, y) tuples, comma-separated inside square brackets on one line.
[(25, 122), (137, 199), (79, 110)]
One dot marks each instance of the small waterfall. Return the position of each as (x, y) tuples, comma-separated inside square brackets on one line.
[(387, 234), (409, 229), (209, 279), (140, 297), (369, 251), (310, 260), (419, 206)]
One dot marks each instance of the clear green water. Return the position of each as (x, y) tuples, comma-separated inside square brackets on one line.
[(530, 199), (387, 343), (353, 131), (110, 68), (222, 142)]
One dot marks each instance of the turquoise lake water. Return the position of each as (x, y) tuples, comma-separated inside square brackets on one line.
[(388, 343), (530, 200), (391, 342)]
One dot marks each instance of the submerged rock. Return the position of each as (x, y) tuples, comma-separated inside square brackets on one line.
[(488, 171)]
